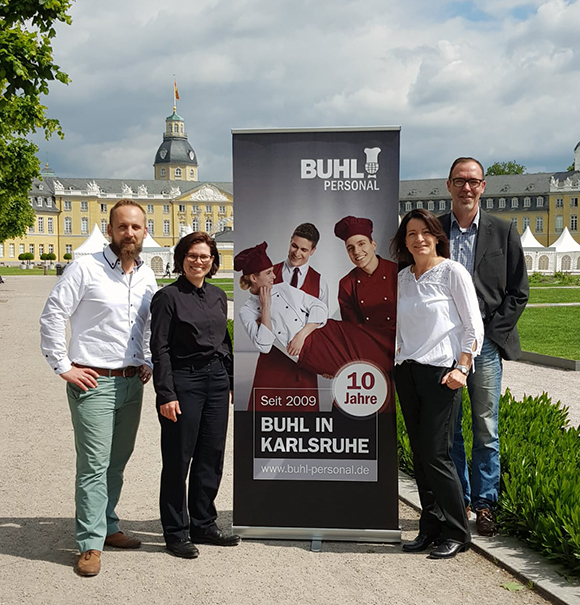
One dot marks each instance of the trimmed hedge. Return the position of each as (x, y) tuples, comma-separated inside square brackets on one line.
[(539, 498)]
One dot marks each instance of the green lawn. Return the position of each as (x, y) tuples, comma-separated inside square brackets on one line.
[(18, 271), (551, 331), (554, 295), (226, 284)]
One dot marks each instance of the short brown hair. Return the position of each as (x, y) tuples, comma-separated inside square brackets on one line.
[(186, 242), (463, 161), (399, 248), (308, 231), (125, 202)]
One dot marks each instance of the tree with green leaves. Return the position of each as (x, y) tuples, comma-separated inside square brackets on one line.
[(511, 167), (26, 69)]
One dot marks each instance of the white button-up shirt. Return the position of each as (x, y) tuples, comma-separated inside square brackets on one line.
[(438, 316), (291, 310), (108, 311), (288, 272)]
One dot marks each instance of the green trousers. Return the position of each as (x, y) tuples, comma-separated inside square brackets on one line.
[(105, 422)]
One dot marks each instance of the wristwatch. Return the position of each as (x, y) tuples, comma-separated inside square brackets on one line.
[(463, 369)]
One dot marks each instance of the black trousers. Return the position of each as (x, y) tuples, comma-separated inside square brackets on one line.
[(430, 410), (194, 444)]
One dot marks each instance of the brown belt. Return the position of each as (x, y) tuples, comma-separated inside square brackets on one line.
[(127, 372)]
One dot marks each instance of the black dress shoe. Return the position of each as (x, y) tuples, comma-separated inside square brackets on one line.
[(447, 549), (420, 543), (216, 536), (185, 549)]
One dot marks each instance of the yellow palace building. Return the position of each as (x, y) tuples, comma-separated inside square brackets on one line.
[(175, 202)]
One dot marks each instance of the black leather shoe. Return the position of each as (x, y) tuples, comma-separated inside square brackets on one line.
[(420, 543), (185, 549), (218, 537), (447, 549)]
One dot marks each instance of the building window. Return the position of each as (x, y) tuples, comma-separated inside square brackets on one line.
[(1, 250), (489, 203), (539, 224), (431, 206), (515, 221), (31, 248), (566, 263), (408, 206), (442, 205), (191, 173), (151, 226), (49, 202), (209, 225), (181, 227), (501, 202), (574, 222), (543, 263), (39, 201), (41, 224), (149, 208), (418, 205), (525, 222), (84, 225), (31, 229), (166, 227), (67, 205), (84, 206), (195, 224), (104, 208), (573, 202), (559, 223), (527, 202), (195, 209), (181, 207), (162, 172), (11, 250), (68, 249), (20, 248), (103, 226), (559, 203), (178, 173), (50, 249), (208, 208), (40, 250), (514, 202), (222, 209), (165, 208), (50, 224), (67, 225), (539, 202)]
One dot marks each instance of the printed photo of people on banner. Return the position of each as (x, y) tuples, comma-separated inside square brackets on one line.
[(315, 315)]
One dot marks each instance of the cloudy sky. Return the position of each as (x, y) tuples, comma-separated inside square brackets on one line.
[(497, 79)]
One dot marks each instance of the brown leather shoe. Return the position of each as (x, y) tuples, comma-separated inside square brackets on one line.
[(121, 540), (89, 563), (485, 522)]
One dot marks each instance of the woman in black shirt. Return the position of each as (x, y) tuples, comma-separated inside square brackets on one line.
[(192, 374)]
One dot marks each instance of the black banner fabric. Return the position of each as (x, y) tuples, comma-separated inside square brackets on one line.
[(315, 451)]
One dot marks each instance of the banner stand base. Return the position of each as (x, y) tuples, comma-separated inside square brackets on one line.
[(316, 546), (317, 535)]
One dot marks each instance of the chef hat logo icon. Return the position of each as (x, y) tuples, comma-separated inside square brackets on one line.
[(372, 161)]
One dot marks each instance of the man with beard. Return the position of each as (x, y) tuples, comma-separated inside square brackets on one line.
[(106, 296)]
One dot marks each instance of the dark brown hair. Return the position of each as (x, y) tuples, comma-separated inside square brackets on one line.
[(308, 231), (399, 248), (186, 242), (463, 161), (125, 202)]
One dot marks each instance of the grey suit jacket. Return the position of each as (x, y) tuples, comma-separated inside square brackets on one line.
[(501, 280)]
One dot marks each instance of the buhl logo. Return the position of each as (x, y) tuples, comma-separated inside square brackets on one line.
[(343, 174)]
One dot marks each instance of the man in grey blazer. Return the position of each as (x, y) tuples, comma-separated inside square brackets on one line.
[(491, 251)]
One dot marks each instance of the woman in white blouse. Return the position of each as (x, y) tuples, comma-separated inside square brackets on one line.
[(439, 332)]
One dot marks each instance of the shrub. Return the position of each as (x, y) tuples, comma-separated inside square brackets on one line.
[(67, 256), (44, 256), (51, 256), (26, 256), (540, 484)]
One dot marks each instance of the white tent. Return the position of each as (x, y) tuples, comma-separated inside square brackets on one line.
[(149, 242), (94, 243), (529, 242), (566, 243)]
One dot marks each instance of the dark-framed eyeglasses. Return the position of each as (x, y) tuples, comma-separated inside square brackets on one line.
[(473, 183), (204, 258)]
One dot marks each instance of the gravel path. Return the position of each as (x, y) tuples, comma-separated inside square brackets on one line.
[(37, 549)]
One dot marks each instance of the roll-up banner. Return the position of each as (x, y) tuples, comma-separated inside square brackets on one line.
[(315, 448)]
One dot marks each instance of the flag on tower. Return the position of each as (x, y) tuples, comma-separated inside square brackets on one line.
[(175, 87)]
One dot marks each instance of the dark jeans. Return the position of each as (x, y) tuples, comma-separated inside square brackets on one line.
[(430, 410), (194, 444)]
